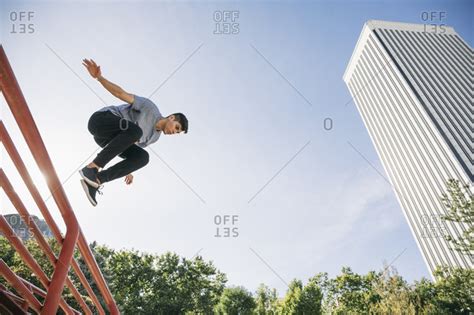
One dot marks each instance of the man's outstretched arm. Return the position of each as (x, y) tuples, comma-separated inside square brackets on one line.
[(114, 89)]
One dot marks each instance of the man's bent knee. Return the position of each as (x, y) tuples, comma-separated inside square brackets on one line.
[(144, 158)]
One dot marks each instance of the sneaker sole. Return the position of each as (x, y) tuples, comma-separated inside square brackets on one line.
[(86, 190), (90, 182)]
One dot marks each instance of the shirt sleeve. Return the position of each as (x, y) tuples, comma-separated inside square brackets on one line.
[(140, 102)]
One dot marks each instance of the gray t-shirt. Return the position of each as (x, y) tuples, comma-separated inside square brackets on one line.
[(142, 112)]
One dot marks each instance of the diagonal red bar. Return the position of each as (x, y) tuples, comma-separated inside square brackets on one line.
[(20, 207), (22, 170), (25, 121)]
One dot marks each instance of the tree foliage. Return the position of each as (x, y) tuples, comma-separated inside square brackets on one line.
[(459, 202), (145, 283), (266, 300), (235, 301)]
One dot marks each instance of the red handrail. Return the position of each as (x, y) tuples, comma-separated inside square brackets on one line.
[(29, 260), (22, 170), (18, 204), (26, 123)]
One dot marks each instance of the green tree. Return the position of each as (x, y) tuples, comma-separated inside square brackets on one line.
[(325, 285), (310, 300), (266, 300), (301, 299), (348, 292), (423, 297), (236, 301), (166, 284), (454, 290), (132, 281), (459, 202), (389, 293), (290, 302)]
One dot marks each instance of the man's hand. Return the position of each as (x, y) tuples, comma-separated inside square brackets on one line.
[(114, 89), (92, 67), (129, 179)]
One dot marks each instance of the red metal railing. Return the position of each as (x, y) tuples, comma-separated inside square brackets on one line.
[(54, 286)]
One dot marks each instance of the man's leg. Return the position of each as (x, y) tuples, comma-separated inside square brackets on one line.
[(115, 135), (134, 159), (123, 134)]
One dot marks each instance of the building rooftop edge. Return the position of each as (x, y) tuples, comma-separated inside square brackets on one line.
[(371, 25)]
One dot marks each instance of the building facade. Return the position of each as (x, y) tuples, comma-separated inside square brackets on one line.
[(414, 89)]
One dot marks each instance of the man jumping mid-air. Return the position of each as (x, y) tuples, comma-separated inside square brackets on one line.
[(123, 131)]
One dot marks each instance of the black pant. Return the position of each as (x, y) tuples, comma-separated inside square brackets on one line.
[(117, 137)]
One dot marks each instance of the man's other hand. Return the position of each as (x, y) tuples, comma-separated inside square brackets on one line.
[(129, 179), (92, 67)]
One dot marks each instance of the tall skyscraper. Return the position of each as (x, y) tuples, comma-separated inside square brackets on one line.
[(413, 85)]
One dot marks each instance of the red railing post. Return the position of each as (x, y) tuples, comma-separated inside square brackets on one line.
[(19, 108), (22, 170), (15, 99)]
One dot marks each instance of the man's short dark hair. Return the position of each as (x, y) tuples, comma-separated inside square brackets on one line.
[(183, 121)]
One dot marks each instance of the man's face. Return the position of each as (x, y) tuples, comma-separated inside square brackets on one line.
[(172, 126)]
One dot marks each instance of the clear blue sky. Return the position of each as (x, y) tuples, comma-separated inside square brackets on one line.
[(254, 100)]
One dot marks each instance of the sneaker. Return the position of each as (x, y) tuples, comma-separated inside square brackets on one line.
[(91, 192), (90, 176)]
